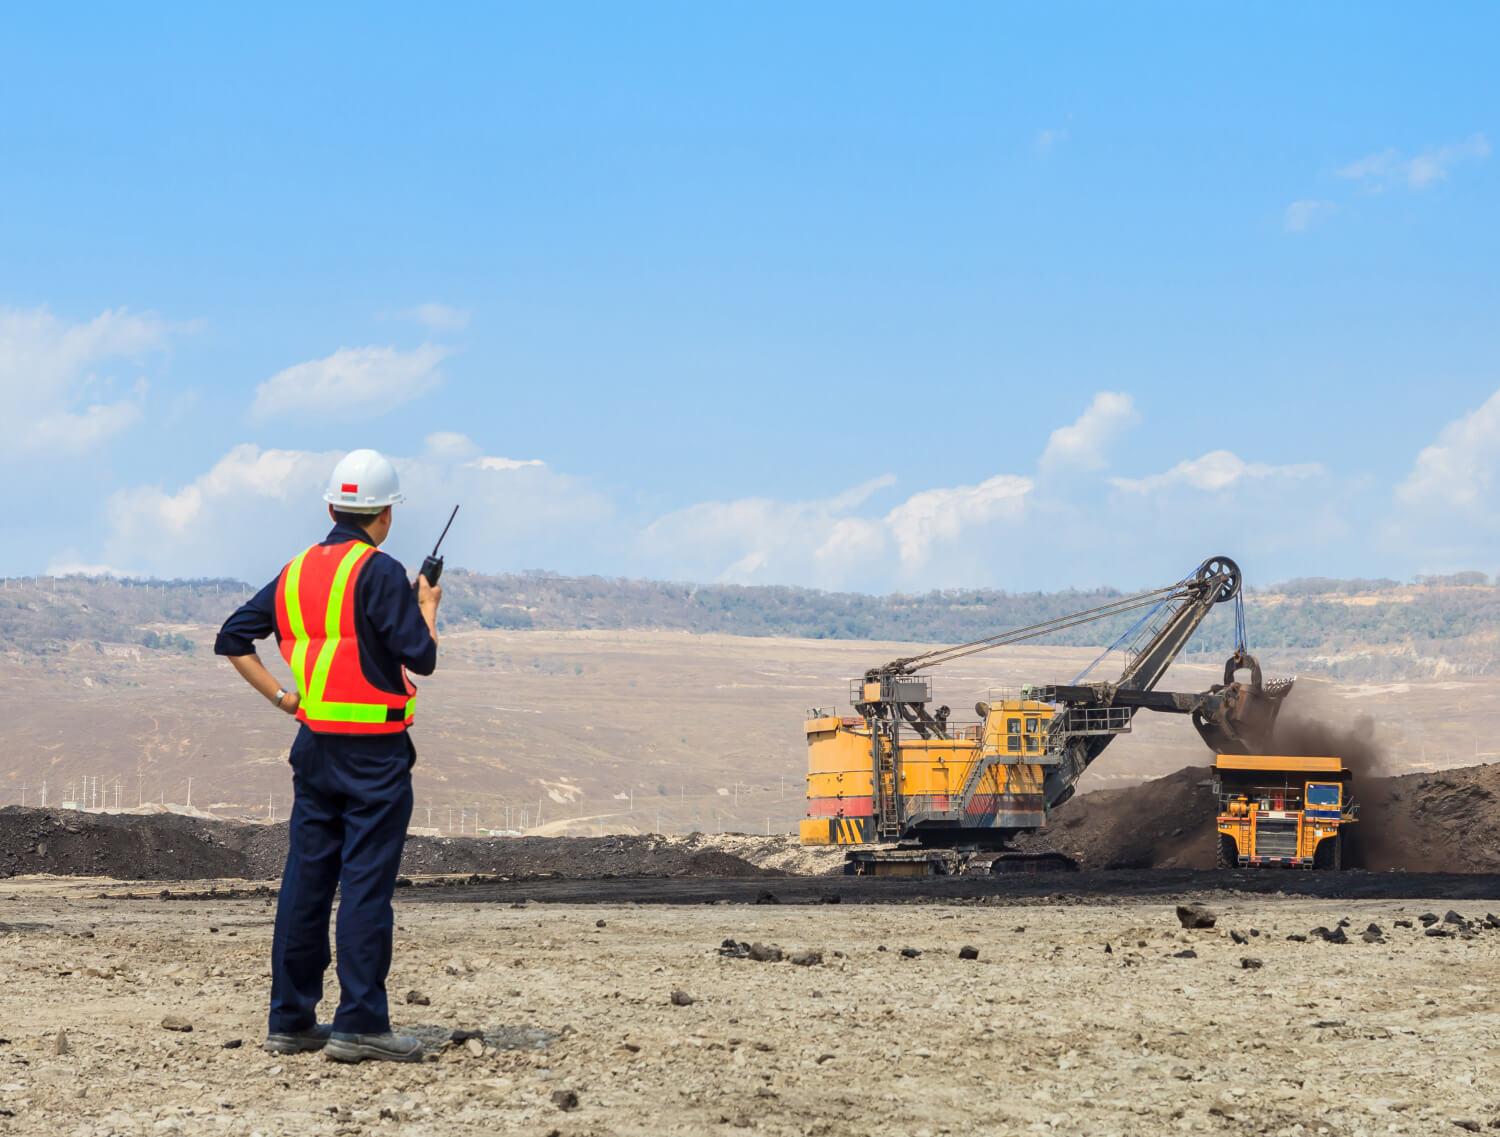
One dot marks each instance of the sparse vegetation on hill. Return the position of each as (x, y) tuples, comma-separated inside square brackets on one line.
[(1351, 628)]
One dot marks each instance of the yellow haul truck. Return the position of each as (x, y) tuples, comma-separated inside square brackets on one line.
[(1282, 811)]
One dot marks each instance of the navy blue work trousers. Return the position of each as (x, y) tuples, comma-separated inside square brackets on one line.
[(353, 801)]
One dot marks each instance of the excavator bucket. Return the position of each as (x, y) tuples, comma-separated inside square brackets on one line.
[(1245, 722)]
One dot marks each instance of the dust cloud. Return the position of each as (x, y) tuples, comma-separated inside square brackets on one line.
[(1308, 727)]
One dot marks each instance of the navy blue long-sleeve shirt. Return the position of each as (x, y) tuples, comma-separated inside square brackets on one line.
[(387, 623)]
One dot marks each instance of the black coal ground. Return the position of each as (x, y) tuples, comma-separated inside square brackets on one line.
[(171, 847)]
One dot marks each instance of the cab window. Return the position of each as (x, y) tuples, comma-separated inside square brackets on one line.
[(1013, 735), (1322, 796)]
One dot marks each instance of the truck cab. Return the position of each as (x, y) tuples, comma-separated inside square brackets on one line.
[(1282, 811)]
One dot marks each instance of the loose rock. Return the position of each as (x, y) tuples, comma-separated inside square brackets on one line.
[(682, 999), (1196, 916), (177, 1023), (1250, 963), (807, 958), (565, 1100), (973, 952), (417, 999)]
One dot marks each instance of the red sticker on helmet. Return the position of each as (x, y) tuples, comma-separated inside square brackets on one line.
[(349, 487)]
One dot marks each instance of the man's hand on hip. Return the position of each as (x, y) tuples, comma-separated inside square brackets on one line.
[(290, 702)]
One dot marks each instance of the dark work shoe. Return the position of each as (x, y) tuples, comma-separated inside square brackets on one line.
[(313, 1038), (385, 1047)]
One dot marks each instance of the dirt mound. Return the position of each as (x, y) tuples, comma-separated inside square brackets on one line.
[(780, 851), (581, 857), (173, 847), (1163, 823), (162, 846), (1431, 822)]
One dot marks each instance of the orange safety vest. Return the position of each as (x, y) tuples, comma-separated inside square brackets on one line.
[(315, 623)]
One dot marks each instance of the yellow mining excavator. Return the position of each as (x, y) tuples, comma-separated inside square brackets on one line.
[(914, 792)]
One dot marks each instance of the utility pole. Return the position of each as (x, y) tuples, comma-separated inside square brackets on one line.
[(44, 793), (270, 807), (140, 788), (190, 793)]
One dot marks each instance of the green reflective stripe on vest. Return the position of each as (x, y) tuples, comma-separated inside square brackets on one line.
[(299, 630), (316, 708)]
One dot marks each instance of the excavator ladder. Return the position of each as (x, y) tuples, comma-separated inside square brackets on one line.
[(887, 785)]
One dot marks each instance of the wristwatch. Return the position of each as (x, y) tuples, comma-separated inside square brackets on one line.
[(280, 694)]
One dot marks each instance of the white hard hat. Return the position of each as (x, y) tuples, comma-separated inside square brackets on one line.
[(364, 481)]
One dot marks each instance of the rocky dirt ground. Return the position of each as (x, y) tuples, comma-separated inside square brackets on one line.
[(1100, 1018)]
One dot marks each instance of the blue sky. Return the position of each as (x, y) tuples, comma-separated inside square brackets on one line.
[(796, 293)]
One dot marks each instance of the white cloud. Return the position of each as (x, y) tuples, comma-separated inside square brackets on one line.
[(254, 508), (1215, 471), (1074, 525), (1450, 494), (60, 395), (1302, 215), (1048, 140), (489, 462), (1084, 443), (449, 446), (438, 317), (928, 519), (79, 568), (1390, 167), (753, 540), (826, 541), (352, 383)]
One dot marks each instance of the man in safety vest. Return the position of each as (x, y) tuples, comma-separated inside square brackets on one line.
[(350, 627)]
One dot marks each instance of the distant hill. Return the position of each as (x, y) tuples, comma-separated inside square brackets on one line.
[(1345, 628)]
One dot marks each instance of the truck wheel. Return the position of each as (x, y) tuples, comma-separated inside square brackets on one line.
[(1229, 852), (1329, 855)]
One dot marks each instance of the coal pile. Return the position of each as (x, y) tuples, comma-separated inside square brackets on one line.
[(1164, 823), (1448, 821), (165, 846), (579, 857), (161, 846)]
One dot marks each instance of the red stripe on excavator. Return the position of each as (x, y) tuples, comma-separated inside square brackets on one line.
[(840, 807)]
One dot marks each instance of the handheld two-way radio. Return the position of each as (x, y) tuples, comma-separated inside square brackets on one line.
[(432, 567)]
